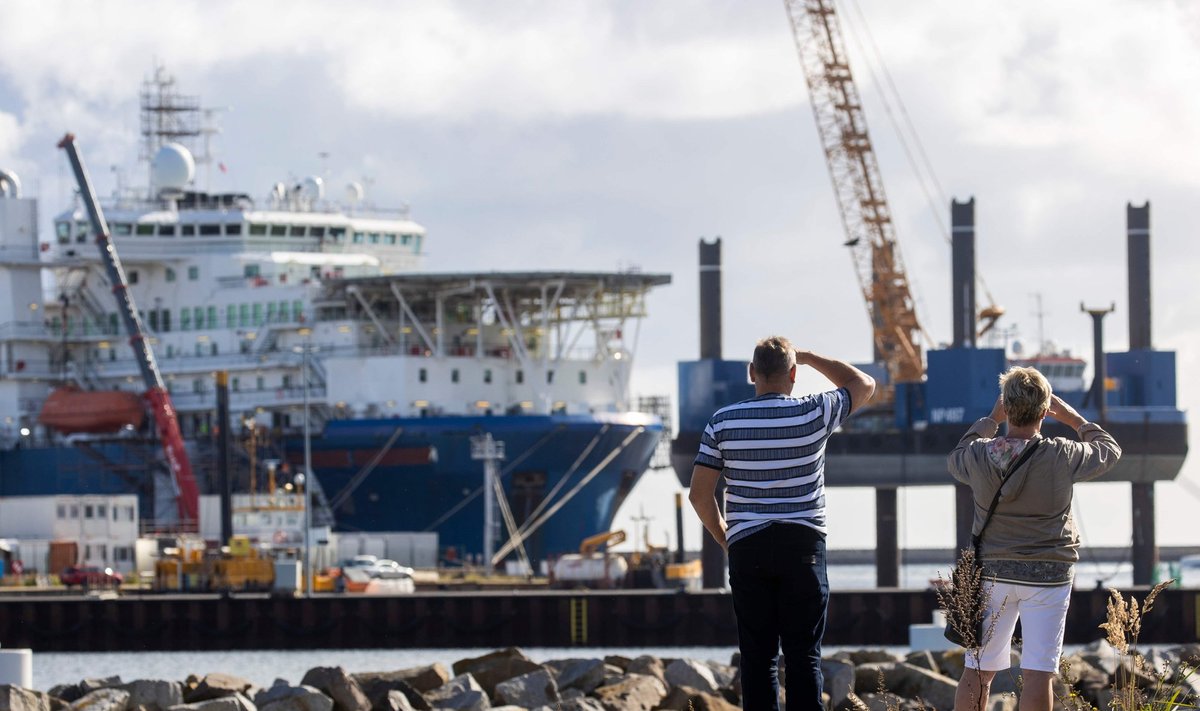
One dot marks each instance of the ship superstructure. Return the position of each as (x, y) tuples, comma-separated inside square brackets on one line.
[(297, 294)]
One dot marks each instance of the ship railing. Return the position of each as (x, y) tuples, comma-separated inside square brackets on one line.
[(165, 528), (17, 330), (246, 399)]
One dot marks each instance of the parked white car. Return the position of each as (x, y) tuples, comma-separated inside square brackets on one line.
[(390, 570)]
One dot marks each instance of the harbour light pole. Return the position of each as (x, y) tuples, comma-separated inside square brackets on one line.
[(491, 452), (308, 475)]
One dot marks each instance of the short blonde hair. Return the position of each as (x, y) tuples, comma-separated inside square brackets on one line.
[(773, 356), (1026, 394)]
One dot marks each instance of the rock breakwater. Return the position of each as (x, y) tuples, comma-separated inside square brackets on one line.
[(509, 680)]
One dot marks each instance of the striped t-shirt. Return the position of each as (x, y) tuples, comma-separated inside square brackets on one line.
[(771, 451)]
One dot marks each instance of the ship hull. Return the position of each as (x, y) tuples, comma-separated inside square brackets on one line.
[(579, 467), (425, 480)]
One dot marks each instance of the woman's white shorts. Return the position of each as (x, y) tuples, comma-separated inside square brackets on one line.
[(1043, 613)]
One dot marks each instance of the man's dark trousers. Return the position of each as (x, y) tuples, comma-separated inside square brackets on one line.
[(780, 595)]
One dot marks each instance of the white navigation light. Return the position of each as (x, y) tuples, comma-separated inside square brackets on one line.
[(172, 168)]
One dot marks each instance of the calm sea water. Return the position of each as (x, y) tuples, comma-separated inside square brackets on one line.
[(263, 667)]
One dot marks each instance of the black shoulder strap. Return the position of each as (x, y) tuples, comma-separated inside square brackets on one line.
[(1025, 455)]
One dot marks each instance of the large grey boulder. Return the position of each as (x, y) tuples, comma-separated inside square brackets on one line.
[(634, 692), (907, 681), (923, 658), (882, 702), (723, 673), (285, 697), (647, 666), (76, 691), (154, 694), (692, 674), (491, 669), (839, 680), (215, 686), (683, 698), (336, 683), (618, 661), (234, 702), (394, 701), (462, 692), (377, 687), (1103, 656), (582, 674), (528, 690), (102, 700), (16, 698), (422, 679), (582, 703)]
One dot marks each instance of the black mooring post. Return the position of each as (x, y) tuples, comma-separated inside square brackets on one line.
[(224, 480), (887, 547)]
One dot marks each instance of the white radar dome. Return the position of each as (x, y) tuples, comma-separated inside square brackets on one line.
[(313, 188), (354, 193), (173, 167)]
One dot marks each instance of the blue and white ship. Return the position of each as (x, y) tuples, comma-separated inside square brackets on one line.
[(320, 305)]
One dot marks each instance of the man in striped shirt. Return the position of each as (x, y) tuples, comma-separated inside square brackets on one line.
[(770, 450)]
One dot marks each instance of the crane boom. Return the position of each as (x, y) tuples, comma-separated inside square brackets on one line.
[(156, 394), (858, 186)]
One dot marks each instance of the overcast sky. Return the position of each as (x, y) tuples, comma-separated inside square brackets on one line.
[(604, 135)]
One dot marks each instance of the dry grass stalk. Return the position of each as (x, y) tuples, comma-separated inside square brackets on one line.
[(960, 597), (1122, 628)]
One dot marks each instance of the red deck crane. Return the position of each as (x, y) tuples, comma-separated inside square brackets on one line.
[(156, 395)]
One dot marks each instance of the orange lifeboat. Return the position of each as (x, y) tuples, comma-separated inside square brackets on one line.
[(70, 410)]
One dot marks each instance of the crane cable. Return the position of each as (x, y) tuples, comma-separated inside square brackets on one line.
[(933, 193)]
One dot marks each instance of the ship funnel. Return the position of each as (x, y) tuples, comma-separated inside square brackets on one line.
[(1137, 226), (10, 184)]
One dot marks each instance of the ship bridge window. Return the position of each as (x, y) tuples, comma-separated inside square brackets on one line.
[(170, 274), (166, 230), (358, 238), (258, 230), (251, 270), (64, 233), (337, 234), (187, 230), (193, 273), (317, 232), (122, 228), (389, 239), (133, 276), (145, 229), (404, 239), (374, 238), (233, 230), (210, 230), (81, 232), (278, 230), (297, 231), (417, 243)]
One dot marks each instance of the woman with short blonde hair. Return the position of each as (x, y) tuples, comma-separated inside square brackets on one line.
[(1029, 547)]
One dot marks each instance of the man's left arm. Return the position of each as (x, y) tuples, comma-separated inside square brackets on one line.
[(703, 496)]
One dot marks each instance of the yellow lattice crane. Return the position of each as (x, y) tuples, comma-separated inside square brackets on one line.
[(857, 183)]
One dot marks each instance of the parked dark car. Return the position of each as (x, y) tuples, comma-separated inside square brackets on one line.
[(91, 577)]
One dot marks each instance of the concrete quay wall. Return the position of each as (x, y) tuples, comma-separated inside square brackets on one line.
[(496, 619)]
